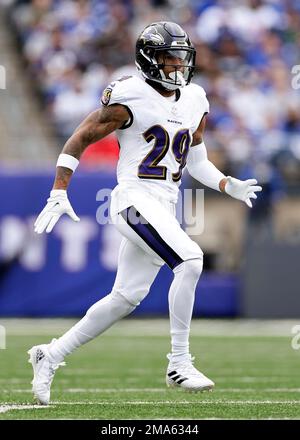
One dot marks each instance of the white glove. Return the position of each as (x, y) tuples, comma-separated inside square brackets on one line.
[(242, 189), (58, 204)]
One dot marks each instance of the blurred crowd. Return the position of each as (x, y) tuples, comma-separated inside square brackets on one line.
[(246, 50)]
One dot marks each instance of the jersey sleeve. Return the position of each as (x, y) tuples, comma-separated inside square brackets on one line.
[(202, 101), (200, 105), (113, 94), (206, 103), (119, 92)]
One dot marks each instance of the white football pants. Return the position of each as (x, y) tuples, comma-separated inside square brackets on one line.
[(152, 237)]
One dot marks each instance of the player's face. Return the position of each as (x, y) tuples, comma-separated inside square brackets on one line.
[(170, 62)]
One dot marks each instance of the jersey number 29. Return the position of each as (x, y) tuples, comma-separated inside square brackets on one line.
[(149, 168)]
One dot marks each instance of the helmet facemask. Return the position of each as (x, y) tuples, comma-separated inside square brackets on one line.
[(179, 62)]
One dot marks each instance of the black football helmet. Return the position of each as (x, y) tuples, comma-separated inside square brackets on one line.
[(172, 42)]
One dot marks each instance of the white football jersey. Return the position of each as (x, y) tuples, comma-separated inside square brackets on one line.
[(155, 142)]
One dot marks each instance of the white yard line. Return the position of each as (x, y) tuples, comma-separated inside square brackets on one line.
[(6, 408), (10, 407), (185, 402), (161, 402), (254, 379), (264, 390), (154, 390)]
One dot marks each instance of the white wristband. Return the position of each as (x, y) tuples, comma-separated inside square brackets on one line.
[(67, 161)]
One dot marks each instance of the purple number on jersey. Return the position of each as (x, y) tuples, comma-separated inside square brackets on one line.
[(149, 168), (180, 147)]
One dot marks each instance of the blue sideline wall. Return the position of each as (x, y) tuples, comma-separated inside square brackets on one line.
[(63, 273)]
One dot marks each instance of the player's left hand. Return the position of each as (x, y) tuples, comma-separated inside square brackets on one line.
[(242, 189)]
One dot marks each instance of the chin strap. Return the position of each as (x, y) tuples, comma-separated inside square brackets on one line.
[(178, 77), (175, 76)]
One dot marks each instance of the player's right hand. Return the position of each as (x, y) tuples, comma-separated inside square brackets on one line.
[(58, 204)]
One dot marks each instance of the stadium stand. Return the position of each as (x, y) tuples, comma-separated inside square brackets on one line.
[(26, 138), (245, 55), (62, 53)]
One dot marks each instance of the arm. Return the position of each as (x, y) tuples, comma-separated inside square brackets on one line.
[(96, 126), (205, 171), (198, 164)]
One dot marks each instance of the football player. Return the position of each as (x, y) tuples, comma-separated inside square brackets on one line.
[(159, 118)]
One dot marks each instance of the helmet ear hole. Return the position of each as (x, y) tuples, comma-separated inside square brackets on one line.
[(149, 51), (153, 71)]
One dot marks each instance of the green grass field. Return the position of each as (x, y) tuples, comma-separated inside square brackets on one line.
[(121, 374)]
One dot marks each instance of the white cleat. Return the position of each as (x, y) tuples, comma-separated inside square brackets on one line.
[(185, 375), (43, 372)]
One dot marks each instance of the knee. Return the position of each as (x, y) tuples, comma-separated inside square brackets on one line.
[(120, 301), (195, 267), (133, 294), (113, 304), (192, 268), (120, 304)]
